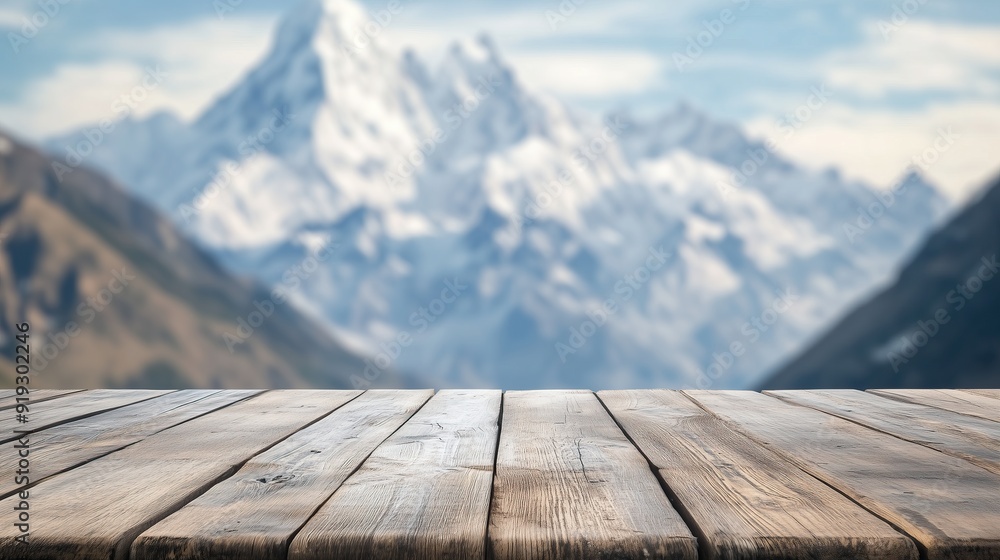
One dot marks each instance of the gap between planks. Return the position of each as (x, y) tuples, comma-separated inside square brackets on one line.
[(962, 402), (967, 437), (741, 499), (257, 511), (35, 396), (66, 446), (96, 510), (947, 504)]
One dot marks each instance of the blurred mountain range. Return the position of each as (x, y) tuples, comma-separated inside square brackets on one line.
[(116, 297), (936, 326), (488, 235)]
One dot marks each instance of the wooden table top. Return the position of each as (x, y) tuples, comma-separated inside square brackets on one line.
[(145, 474)]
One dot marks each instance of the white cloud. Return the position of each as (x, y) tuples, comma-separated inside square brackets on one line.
[(877, 139), (205, 56), (877, 144), (10, 18), (13, 13), (919, 56), (584, 56), (584, 73), (525, 34), (73, 95), (430, 30), (201, 58)]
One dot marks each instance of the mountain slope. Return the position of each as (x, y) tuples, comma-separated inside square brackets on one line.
[(539, 217), (935, 327), (116, 297)]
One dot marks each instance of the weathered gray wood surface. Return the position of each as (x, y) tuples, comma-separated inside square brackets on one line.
[(70, 407), (424, 493), (65, 446), (255, 513), (569, 484), (95, 510), (968, 437), (9, 398), (949, 505), (536, 475), (992, 393), (954, 400), (744, 500)]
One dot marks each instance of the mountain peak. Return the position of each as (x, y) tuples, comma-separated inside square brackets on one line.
[(480, 50), (474, 58), (348, 12), (921, 190), (343, 23), (913, 176), (684, 108), (436, 162)]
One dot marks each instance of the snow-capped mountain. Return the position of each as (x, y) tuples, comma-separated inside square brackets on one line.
[(489, 235)]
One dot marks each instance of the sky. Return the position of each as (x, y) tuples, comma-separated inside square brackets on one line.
[(869, 85)]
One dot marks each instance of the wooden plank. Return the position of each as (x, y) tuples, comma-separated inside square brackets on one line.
[(992, 393), (255, 513), (746, 501), (570, 485), (947, 504), (36, 396), (424, 493), (63, 447), (95, 510), (954, 400), (72, 407), (967, 437)]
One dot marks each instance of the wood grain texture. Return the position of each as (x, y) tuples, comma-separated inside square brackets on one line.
[(255, 513), (65, 446), (954, 400), (95, 510), (992, 393), (37, 395), (746, 501), (72, 407), (967, 437), (570, 485), (423, 494), (946, 503)]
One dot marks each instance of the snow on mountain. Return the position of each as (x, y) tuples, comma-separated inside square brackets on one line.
[(489, 235)]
